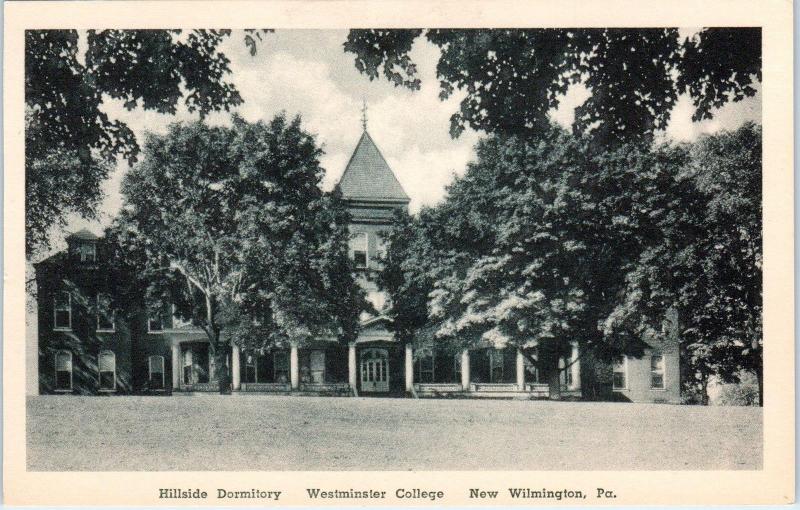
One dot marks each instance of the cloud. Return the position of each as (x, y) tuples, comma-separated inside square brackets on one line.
[(306, 73)]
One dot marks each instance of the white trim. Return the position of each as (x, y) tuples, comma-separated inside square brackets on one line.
[(98, 329), (624, 371), (99, 372), (63, 351), (56, 309)]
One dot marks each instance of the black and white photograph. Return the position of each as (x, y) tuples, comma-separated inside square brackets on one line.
[(394, 249)]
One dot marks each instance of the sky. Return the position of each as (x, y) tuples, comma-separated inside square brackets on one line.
[(307, 73)]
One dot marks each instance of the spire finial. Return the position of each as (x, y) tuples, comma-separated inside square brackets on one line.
[(364, 114)]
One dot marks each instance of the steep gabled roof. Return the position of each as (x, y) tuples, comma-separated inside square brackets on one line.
[(368, 176), (83, 235)]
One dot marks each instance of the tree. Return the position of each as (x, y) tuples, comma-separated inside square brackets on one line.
[(70, 142), (708, 269), (236, 233), (531, 247), (512, 78)]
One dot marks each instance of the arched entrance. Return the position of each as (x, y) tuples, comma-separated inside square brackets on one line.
[(375, 370)]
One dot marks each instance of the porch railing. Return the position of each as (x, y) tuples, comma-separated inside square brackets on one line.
[(266, 387)]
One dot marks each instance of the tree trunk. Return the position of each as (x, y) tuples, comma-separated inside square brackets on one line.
[(221, 367), (760, 378), (553, 377)]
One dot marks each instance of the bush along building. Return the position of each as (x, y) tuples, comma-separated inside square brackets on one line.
[(95, 339)]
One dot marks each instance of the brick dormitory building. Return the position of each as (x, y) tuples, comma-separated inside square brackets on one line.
[(85, 347)]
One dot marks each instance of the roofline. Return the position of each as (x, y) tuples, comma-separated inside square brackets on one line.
[(370, 201), (347, 167), (379, 318)]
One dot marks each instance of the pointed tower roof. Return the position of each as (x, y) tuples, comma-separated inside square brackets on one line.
[(368, 176)]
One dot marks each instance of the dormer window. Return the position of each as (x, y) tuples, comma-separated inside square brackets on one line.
[(87, 252), (358, 249), (83, 246)]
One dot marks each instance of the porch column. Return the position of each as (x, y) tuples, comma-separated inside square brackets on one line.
[(294, 367), (176, 366), (351, 364), (409, 367), (235, 369), (465, 370), (576, 367), (520, 370)]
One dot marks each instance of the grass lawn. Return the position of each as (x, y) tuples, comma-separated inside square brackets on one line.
[(263, 433)]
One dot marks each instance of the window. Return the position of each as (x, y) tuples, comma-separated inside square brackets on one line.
[(177, 322), (358, 248), (87, 252), (63, 371), (424, 366), (155, 323), (620, 373), (156, 370), (657, 372), (107, 366), (105, 314), (250, 373), (281, 366), (63, 311)]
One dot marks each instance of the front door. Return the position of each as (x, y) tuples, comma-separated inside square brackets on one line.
[(374, 370)]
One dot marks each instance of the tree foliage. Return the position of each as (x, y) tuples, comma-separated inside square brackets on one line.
[(548, 239), (65, 121), (232, 228), (709, 267), (512, 78)]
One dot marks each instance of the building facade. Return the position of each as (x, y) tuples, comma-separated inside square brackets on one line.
[(92, 341)]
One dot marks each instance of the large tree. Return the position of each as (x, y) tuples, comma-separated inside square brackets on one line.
[(708, 268), (236, 232), (531, 246), (71, 142), (512, 78)]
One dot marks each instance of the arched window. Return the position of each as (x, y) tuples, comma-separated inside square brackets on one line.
[(107, 366), (63, 371), (156, 369)]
